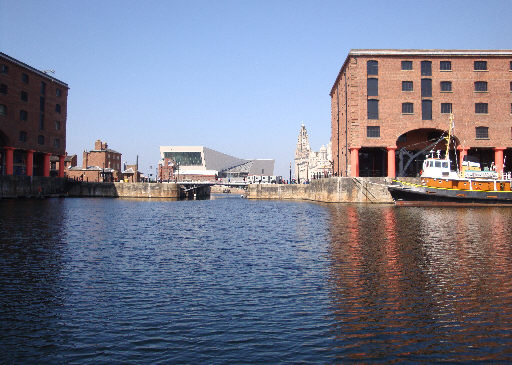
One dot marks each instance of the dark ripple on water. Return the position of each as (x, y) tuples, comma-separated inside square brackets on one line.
[(235, 281)]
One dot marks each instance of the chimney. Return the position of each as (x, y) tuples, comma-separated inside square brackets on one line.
[(85, 159), (97, 145)]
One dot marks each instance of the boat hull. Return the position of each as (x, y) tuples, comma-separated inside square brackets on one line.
[(406, 194)]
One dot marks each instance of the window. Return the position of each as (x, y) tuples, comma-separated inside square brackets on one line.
[(24, 96), (407, 86), (23, 136), (43, 88), (481, 108), (41, 104), (426, 68), (58, 92), (426, 88), (446, 86), (3, 89), (24, 78), (482, 132), (445, 65), (373, 131), (510, 65), (57, 108), (426, 109), (510, 86), (5, 69), (57, 125), (56, 143), (480, 66), (41, 122), (406, 65), (3, 109), (446, 108), (373, 109), (407, 108), (481, 86), (372, 68), (23, 115), (40, 139), (373, 87)]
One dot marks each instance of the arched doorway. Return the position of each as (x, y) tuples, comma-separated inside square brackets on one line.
[(413, 146)]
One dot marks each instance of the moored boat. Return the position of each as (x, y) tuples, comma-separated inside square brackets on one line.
[(440, 184)]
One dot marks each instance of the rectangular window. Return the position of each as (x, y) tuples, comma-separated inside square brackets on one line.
[(407, 86), (426, 109), (24, 78), (372, 68), (407, 108), (480, 66), (43, 88), (57, 108), (446, 86), (373, 87), (40, 139), (510, 65), (5, 69), (41, 104), (41, 122), (56, 143), (481, 108), (23, 115), (426, 68), (446, 108), (373, 109), (3, 109), (445, 65), (58, 92), (3, 89), (482, 132), (510, 86), (373, 131), (406, 65), (23, 136), (57, 125), (480, 86), (24, 96), (426, 88)]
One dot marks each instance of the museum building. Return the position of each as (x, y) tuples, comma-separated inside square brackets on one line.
[(33, 109), (389, 108)]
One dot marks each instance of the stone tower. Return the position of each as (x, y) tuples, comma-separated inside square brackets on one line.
[(302, 153)]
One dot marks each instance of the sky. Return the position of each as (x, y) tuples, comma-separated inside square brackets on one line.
[(239, 77)]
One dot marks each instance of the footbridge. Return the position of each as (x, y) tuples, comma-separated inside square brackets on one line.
[(201, 189)]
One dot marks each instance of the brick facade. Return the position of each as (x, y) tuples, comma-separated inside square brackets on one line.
[(33, 112), (100, 164), (353, 146)]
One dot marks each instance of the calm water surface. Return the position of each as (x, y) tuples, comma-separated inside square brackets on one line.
[(238, 281)]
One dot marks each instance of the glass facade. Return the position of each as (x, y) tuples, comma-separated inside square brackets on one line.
[(185, 158)]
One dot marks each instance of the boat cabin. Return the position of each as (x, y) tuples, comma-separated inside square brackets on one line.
[(437, 167)]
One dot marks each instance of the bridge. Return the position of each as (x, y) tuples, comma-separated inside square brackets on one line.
[(201, 188)]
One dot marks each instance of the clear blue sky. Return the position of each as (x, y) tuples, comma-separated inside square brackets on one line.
[(236, 76)]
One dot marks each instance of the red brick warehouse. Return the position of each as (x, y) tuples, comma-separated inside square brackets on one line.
[(33, 109), (390, 106)]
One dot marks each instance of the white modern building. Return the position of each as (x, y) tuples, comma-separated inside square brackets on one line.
[(203, 163)]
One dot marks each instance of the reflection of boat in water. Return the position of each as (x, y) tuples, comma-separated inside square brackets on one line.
[(439, 183)]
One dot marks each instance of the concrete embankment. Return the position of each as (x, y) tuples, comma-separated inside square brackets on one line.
[(331, 190), (37, 186), (123, 190)]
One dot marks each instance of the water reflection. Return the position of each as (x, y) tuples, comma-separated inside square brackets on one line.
[(421, 283), (31, 261)]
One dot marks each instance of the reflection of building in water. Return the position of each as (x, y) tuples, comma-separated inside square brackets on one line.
[(310, 164)]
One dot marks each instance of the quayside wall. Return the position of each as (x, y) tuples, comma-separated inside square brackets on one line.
[(38, 186), (330, 190)]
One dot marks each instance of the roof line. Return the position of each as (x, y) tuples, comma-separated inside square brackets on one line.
[(40, 73)]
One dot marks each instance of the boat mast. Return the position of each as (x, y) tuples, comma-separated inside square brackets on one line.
[(449, 136)]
